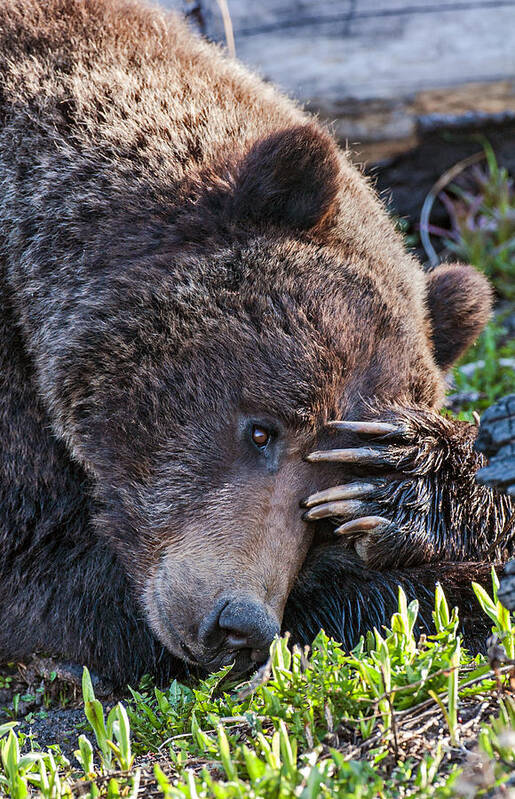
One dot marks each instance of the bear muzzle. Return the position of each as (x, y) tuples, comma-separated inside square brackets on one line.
[(239, 628), (236, 628)]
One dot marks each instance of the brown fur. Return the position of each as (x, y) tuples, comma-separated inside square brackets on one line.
[(183, 251)]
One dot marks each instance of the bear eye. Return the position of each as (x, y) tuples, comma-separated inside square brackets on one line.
[(260, 436)]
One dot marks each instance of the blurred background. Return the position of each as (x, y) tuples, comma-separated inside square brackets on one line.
[(422, 92)]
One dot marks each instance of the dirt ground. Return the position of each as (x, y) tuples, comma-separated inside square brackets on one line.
[(45, 698)]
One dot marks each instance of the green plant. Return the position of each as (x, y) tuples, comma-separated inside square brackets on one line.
[(113, 737), (501, 616), (319, 724), (15, 765), (5, 681), (481, 207), (480, 202), (487, 370), (497, 739)]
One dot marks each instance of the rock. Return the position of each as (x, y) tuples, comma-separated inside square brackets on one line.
[(469, 369), (496, 439), (456, 401), (506, 592)]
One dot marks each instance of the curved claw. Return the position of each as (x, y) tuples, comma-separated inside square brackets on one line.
[(365, 524), (338, 493), (375, 455), (347, 509), (367, 428)]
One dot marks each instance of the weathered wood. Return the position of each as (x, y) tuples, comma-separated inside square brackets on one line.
[(338, 50), (378, 70)]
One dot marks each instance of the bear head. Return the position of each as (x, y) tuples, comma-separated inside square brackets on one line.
[(279, 297)]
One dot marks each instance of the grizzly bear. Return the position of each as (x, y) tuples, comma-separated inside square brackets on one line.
[(208, 321)]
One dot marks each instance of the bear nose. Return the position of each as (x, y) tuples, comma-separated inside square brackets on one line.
[(241, 623)]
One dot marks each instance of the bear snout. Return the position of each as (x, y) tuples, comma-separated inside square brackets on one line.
[(242, 625)]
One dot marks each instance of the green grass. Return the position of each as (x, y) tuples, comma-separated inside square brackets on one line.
[(481, 208), (325, 723), (480, 204), (493, 372)]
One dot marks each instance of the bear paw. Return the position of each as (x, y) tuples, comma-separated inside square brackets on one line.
[(413, 499), (351, 505), (358, 507)]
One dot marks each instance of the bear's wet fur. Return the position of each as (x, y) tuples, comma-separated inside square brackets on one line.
[(185, 254)]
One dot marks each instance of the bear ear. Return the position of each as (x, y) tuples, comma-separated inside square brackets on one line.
[(460, 302), (290, 178)]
